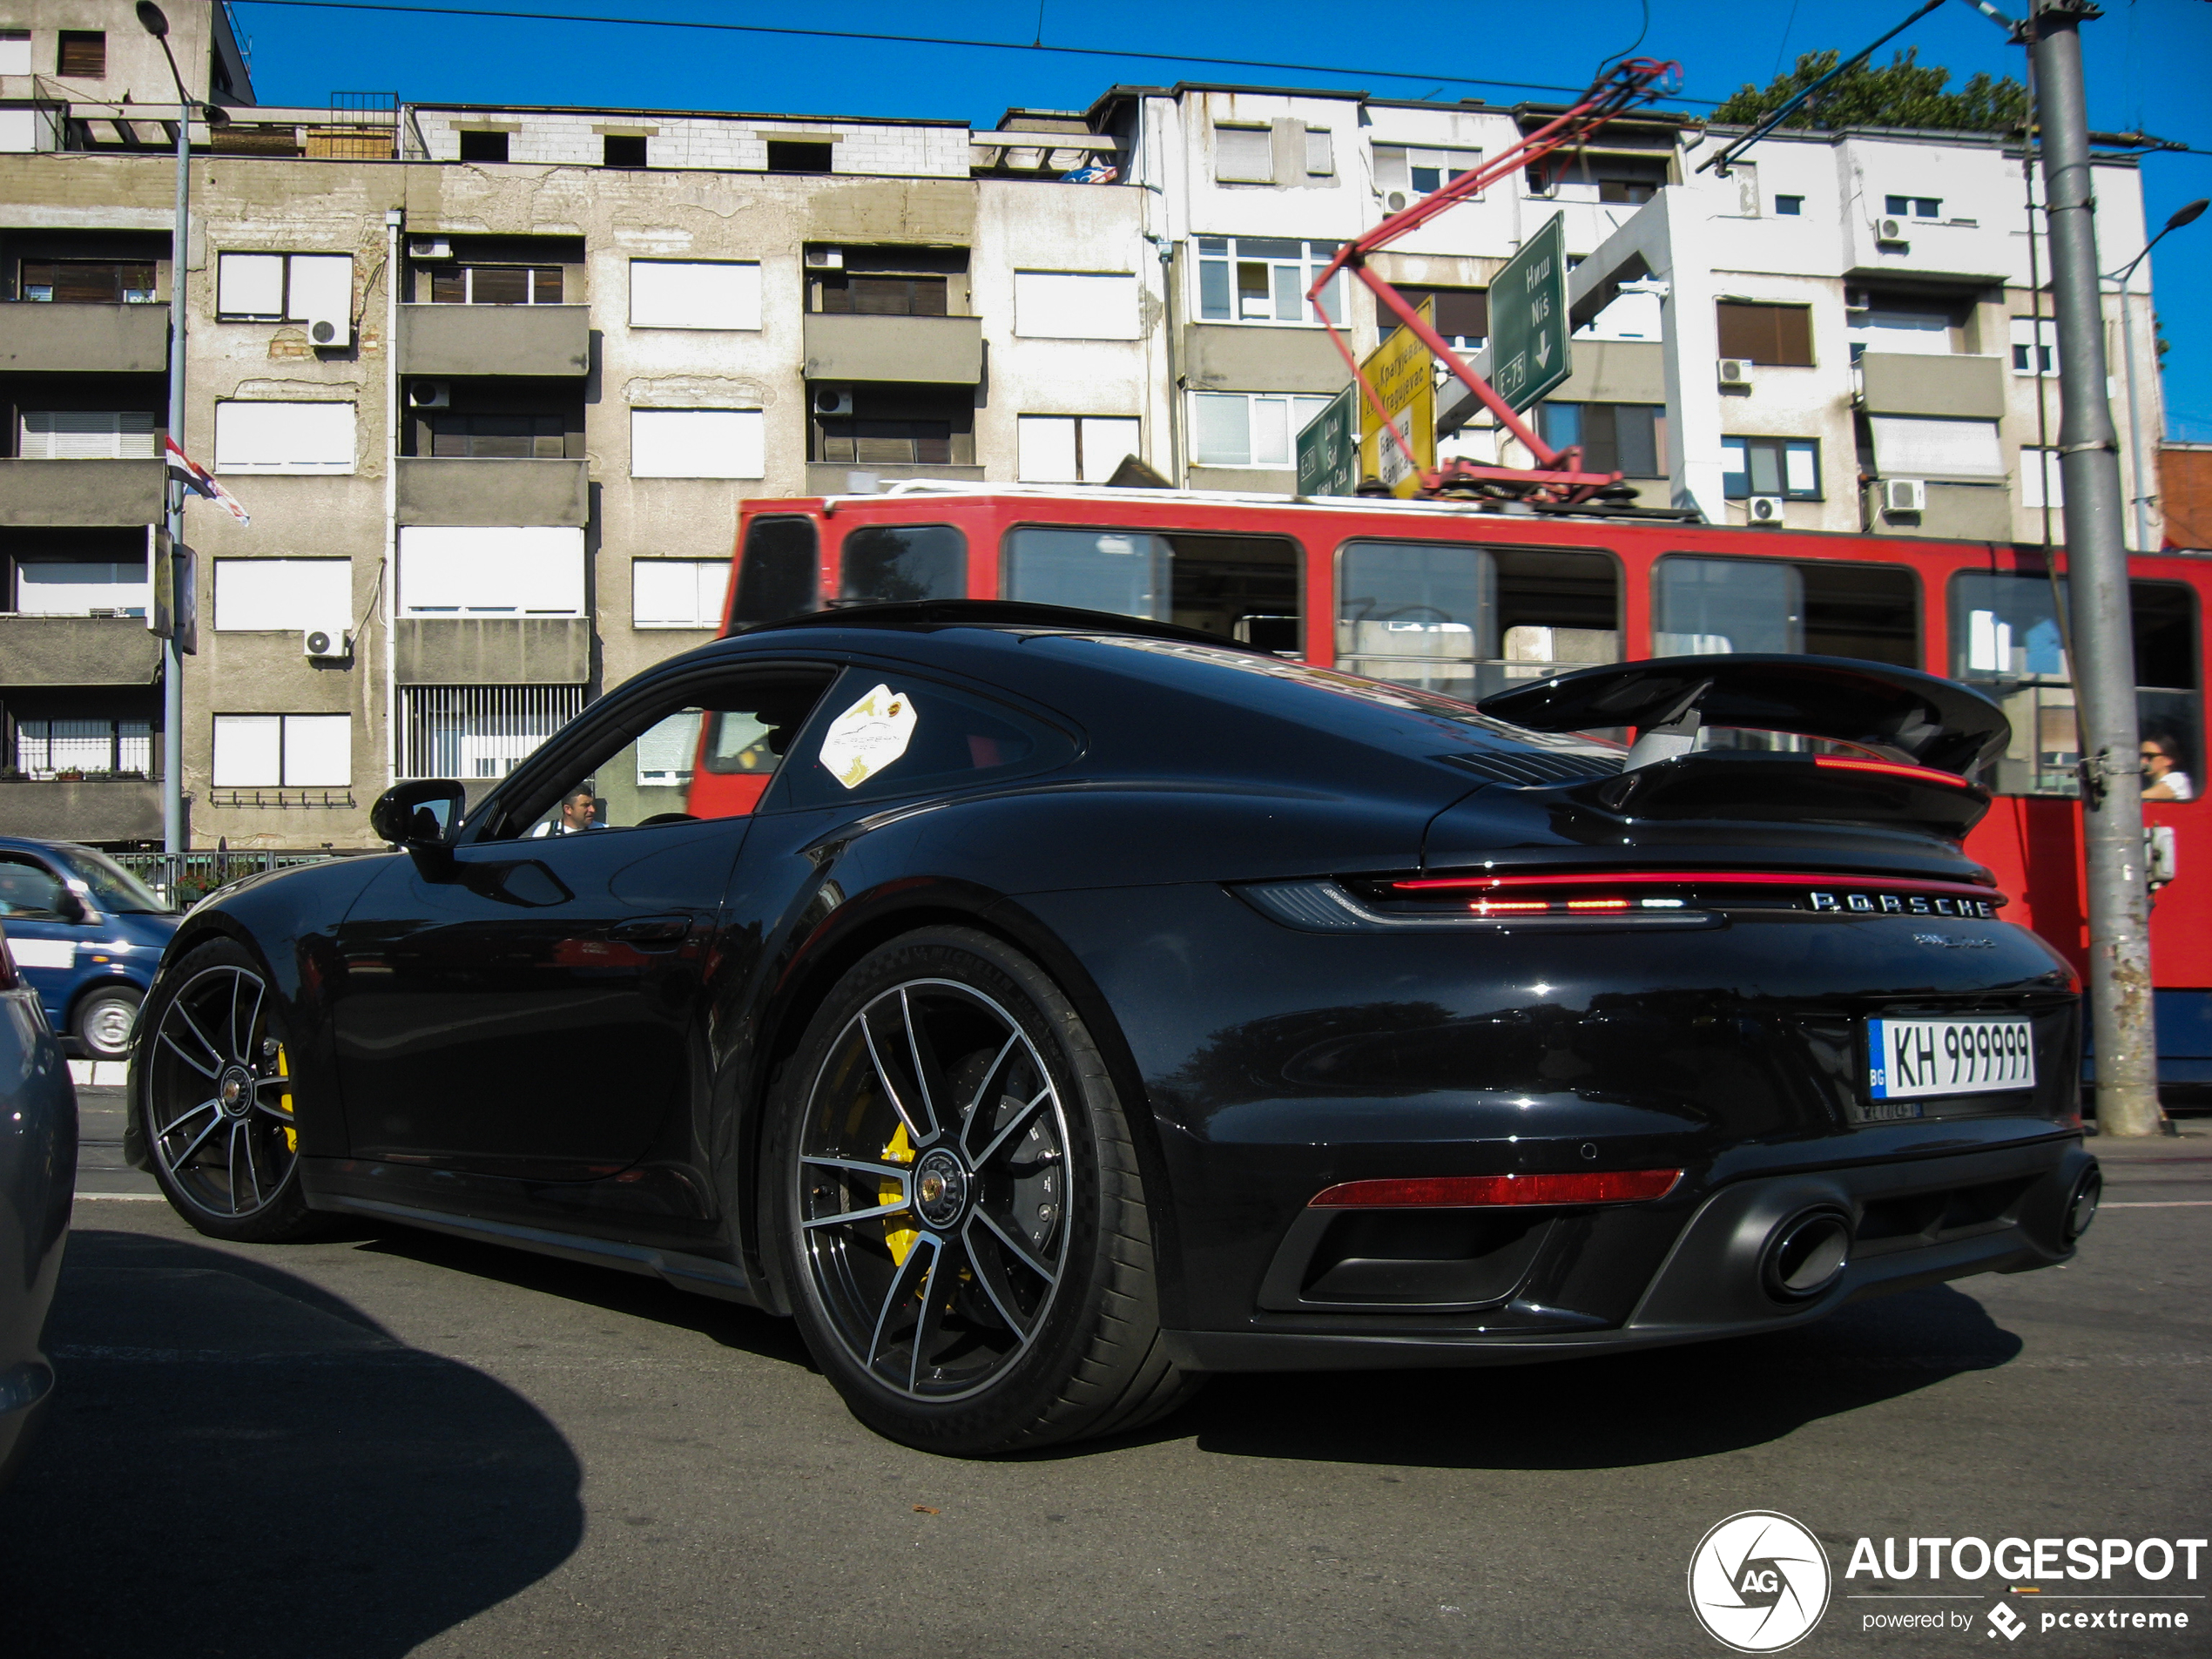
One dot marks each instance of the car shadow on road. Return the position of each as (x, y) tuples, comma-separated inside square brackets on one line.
[(1623, 1411), (238, 1463)]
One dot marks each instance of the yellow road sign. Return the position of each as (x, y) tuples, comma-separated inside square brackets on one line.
[(1402, 372)]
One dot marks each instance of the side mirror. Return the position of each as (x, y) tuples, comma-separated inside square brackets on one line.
[(418, 815)]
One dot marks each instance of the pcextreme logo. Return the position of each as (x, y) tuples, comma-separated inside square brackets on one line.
[(1758, 1581)]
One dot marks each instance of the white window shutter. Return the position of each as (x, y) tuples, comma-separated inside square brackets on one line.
[(672, 293), (87, 435), (1066, 305), (318, 749), (1244, 155), (1107, 439), (1909, 447), (248, 750), (255, 436), (322, 297), (15, 51), (250, 285), (698, 444), (270, 595), (1045, 449), (491, 571), (1320, 154), (663, 593)]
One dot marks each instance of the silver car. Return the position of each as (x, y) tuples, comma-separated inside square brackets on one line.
[(37, 1174)]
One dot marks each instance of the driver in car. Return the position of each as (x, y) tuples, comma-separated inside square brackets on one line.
[(573, 817)]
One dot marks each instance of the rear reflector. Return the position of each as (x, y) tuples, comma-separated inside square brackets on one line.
[(1467, 1191), (1618, 878)]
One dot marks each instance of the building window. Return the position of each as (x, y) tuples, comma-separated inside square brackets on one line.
[(624, 150), (15, 51), (1785, 467), (1777, 335), (1320, 154), (284, 287), (788, 155), (1912, 206), (88, 282), (1627, 438), (46, 748), (1244, 155), (845, 295), (449, 570), (674, 293), (2035, 345), (677, 593), (88, 435), (1257, 279), (271, 596), (698, 444), (484, 146), (901, 426), (1911, 447), (497, 437), (1913, 331), (1462, 315), (253, 436), (478, 730), (1422, 172), (1249, 428), (887, 282), (2040, 484), (82, 54), (1074, 449), (80, 587), (278, 750), (1789, 206), (1069, 304), (495, 285)]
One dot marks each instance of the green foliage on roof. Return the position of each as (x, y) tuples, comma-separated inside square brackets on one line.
[(1906, 93)]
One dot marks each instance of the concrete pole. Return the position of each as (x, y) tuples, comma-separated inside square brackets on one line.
[(2104, 669)]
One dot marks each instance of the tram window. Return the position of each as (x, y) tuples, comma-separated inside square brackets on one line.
[(1240, 587), (1703, 607), (886, 562), (1468, 620), (776, 578), (2007, 638), (1870, 611)]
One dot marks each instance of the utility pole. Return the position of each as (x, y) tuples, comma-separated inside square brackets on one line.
[(2104, 669)]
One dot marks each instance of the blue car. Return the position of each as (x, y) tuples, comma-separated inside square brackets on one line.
[(37, 1173), (86, 935)]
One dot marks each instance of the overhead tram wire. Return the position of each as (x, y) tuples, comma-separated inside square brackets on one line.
[(923, 40)]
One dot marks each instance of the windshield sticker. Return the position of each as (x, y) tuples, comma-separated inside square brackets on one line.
[(869, 736)]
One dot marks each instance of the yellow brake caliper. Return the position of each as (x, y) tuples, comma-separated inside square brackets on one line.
[(284, 1103), (896, 1234)]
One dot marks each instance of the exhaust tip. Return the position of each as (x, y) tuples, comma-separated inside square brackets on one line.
[(1806, 1255), (2082, 1203)]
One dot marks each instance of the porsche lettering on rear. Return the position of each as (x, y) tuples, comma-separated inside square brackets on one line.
[(1899, 904)]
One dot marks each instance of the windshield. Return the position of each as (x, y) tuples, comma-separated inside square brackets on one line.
[(113, 887)]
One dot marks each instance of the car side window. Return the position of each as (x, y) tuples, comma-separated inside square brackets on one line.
[(883, 733), (677, 760), (29, 891)]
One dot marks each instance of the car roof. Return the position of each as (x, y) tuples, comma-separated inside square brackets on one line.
[(925, 614)]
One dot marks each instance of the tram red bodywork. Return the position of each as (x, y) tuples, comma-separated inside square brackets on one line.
[(1301, 571)]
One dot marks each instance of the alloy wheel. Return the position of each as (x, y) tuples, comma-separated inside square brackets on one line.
[(932, 1187), (219, 1119)]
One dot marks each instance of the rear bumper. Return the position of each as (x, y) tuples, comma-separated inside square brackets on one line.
[(1914, 1223)]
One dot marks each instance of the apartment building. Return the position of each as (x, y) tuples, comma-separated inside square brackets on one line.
[(493, 381)]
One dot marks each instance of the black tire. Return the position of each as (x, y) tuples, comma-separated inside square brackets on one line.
[(1047, 1326), (103, 1021), (210, 1096)]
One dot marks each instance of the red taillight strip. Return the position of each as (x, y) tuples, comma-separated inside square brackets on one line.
[(1925, 774), (1468, 1191), (1701, 878)]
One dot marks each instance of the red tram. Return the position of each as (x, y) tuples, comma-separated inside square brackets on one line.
[(1466, 601)]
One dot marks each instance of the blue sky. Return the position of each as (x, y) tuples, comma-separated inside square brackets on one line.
[(2148, 69)]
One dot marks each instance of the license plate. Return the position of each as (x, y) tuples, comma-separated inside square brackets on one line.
[(1907, 1058)]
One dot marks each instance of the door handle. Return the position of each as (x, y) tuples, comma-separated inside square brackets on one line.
[(651, 930)]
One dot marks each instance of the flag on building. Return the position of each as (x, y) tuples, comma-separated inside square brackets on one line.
[(194, 477)]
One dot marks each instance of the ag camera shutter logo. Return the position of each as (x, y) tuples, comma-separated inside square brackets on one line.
[(1758, 1581)]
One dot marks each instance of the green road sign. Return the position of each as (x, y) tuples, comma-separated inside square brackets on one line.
[(1328, 449), (1529, 352)]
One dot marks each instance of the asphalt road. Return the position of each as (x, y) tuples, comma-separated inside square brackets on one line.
[(398, 1443)]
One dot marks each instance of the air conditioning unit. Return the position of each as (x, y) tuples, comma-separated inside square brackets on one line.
[(1764, 509), (429, 248), (327, 642), (1904, 496), (834, 400), (1397, 201), (826, 258), (1891, 232), (430, 394), (1735, 372)]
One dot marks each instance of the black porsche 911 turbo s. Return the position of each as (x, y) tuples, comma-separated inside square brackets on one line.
[(1047, 1010)]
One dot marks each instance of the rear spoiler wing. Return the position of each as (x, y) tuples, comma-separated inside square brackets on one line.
[(1898, 713)]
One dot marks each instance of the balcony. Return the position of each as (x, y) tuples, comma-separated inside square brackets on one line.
[(92, 809), (40, 493), (472, 340), (39, 338), (937, 351), (492, 650), (77, 651), (485, 491), (833, 477), (1246, 358), (1910, 383)]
